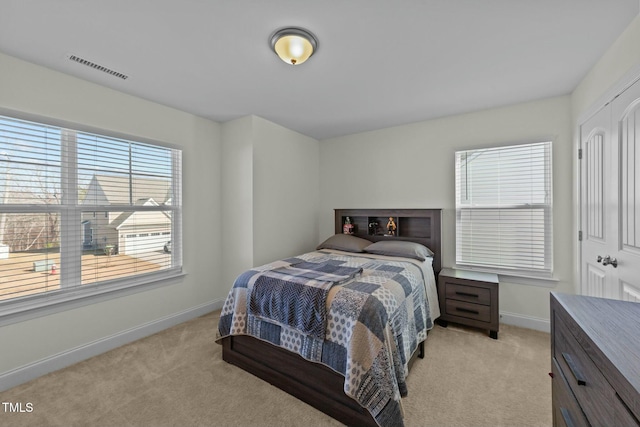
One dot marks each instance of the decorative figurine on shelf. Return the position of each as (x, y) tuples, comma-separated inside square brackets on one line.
[(391, 227), (373, 228), (347, 228)]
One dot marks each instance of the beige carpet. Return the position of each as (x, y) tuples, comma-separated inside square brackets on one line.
[(178, 378)]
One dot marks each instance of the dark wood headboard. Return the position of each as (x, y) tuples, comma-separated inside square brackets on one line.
[(422, 226)]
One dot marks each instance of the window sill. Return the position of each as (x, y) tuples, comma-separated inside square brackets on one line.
[(546, 282), (31, 307)]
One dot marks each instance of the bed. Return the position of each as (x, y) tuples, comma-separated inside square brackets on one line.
[(338, 327)]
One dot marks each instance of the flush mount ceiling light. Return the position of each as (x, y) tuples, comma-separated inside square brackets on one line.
[(294, 45)]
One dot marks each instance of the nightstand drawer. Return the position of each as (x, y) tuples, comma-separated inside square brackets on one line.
[(468, 310), (466, 293), (469, 298), (592, 390)]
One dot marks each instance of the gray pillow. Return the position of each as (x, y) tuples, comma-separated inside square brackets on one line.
[(345, 242), (400, 248)]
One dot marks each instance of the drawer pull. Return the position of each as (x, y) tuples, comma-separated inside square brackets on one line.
[(566, 416), (467, 294), (466, 310), (577, 374)]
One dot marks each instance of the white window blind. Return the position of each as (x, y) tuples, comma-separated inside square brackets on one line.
[(82, 211), (504, 209)]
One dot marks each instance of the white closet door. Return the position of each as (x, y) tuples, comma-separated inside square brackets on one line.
[(626, 132), (597, 201), (610, 199)]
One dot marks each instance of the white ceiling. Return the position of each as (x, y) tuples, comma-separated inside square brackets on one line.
[(380, 63)]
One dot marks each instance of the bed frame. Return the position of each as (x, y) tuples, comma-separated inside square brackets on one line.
[(313, 383)]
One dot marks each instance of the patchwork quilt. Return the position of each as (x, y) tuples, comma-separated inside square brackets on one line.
[(374, 319), (296, 295)]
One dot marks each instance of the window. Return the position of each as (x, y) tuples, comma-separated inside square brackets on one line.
[(504, 210), (68, 198)]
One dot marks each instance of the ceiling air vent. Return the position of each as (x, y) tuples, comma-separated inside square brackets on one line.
[(98, 67)]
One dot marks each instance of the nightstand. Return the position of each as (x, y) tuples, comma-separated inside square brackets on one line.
[(469, 298)]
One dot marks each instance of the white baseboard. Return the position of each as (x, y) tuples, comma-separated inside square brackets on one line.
[(58, 361), (524, 321)]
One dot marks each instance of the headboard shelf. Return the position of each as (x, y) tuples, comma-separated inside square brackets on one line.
[(415, 225)]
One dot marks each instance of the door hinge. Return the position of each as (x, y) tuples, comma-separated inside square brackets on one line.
[(580, 235), (579, 153)]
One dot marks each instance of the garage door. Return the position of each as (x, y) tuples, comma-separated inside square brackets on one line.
[(137, 243)]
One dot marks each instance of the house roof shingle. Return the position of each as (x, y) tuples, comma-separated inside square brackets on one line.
[(116, 189)]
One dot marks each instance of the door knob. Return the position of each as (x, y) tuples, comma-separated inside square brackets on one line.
[(608, 260), (599, 259)]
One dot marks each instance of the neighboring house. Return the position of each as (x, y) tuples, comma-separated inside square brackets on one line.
[(130, 232)]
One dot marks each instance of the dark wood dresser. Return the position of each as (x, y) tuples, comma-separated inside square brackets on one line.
[(595, 361), (469, 298)]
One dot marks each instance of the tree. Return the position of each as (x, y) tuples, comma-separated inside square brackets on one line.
[(31, 231)]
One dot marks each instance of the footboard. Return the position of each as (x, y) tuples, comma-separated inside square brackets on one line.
[(313, 383)]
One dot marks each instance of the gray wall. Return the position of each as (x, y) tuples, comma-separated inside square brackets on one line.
[(270, 194), (237, 198), (286, 192)]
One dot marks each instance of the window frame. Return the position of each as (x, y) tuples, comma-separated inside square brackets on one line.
[(31, 306), (524, 275)]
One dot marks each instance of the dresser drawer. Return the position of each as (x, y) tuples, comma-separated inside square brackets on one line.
[(466, 293), (566, 410), (591, 389), (595, 346), (623, 415), (468, 310)]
